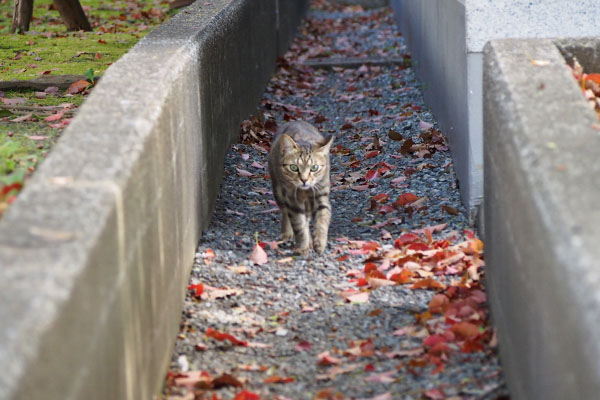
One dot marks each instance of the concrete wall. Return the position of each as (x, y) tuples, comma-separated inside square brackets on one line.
[(542, 220), (95, 253), (446, 38)]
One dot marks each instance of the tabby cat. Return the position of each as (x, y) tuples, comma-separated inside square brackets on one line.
[(299, 169)]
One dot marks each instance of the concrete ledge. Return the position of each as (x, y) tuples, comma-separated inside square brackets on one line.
[(446, 39), (542, 220), (95, 254)]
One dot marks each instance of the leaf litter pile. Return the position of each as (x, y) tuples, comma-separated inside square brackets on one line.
[(396, 307)]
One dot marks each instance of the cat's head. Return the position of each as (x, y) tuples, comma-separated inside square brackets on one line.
[(305, 165)]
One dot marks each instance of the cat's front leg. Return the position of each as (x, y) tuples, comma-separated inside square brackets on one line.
[(322, 220), (287, 232), (301, 230)]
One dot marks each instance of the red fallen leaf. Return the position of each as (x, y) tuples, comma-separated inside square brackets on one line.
[(449, 210), (372, 175), (385, 209), (369, 267), (102, 41), (303, 346), (381, 197), (98, 56), (405, 199), (372, 154), (402, 277), (198, 289), (226, 380), (258, 255), (418, 247), (433, 340), (78, 87), (470, 346), (278, 379), (428, 283), (438, 303), (9, 188), (465, 330), (246, 395), (593, 77), (326, 359), (369, 368), (370, 246), (54, 117), (347, 126), (221, 336), (343, 258), (479, 296), (362, 282), (405, 239)]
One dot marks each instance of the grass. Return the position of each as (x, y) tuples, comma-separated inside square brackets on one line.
[(48, 49)]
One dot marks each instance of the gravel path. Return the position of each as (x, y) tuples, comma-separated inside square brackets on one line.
[(395, 308)]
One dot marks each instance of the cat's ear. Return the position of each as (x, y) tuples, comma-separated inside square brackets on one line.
[(288, 144), (325, 144)]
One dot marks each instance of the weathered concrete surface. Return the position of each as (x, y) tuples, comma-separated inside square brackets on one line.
[(446, 38), (96, 252), (542, 220)]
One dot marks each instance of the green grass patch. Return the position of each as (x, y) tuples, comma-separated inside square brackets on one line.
[(26, 137)]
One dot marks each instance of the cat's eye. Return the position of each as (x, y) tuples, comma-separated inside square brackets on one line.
[(293, 168), (314, 168)]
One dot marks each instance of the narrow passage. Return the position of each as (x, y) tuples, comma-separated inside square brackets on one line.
[(396, 307)]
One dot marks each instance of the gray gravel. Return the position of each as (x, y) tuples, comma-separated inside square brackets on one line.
[(289, 301)]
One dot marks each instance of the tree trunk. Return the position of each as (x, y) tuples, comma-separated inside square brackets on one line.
[(72, 15), (22, 14)]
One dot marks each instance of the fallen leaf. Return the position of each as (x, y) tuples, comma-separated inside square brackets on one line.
[(226, 380), (78, 87), (428, 283), (325, 359), (278, 379), (192, 378), (37, 137), (303, 346), (197, 288), (221, 336), (465, 330), (383, 377), (337, 370), (243, 172), (240, 269), (54, 117), (424, 126), (258, 255), (438, 303), (246, 395)]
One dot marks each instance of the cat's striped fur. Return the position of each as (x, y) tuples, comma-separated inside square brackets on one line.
[(299, 168)]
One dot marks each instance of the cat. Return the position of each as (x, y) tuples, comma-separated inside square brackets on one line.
[(299, 168)]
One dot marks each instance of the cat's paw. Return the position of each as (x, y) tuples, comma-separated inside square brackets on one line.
[(320, 246), (301, 252), (285, 237)]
